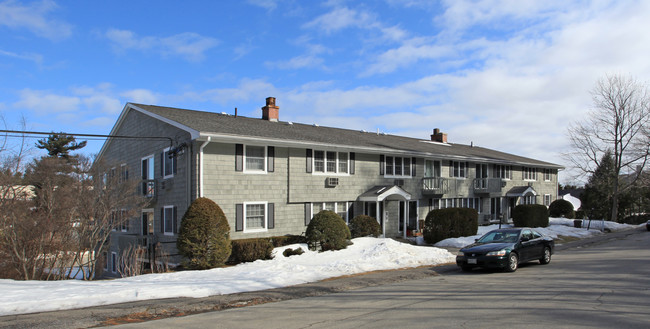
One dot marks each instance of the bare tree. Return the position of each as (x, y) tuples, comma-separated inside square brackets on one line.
[(106, 201), (618, 122)]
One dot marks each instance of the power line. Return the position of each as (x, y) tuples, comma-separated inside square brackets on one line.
[(98, 136)]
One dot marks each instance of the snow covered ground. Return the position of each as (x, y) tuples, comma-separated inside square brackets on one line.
[(365, 255)]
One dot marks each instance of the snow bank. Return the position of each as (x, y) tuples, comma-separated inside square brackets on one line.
[(366, 254)]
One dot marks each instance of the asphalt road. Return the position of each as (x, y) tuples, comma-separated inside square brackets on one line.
[(605, 284)]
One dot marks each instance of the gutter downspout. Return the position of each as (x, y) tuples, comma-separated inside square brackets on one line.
[(201, 165)]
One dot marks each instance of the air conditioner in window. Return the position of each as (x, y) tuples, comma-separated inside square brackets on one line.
[(332, 181), (399, 182), (166, 184)]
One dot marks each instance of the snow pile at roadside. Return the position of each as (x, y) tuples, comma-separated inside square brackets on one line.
[(557, 227), (366, 254)]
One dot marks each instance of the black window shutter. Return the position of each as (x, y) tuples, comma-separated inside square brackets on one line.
[(162, 220), (239, 157), (270, 166), (162, 164), (413, 166), (381, 164), (174, 164), (175, 221), (308, 156), (352, 156), (271, 215), (239, 217), (307, 213)]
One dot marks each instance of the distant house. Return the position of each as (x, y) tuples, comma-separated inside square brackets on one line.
[(270, 176)]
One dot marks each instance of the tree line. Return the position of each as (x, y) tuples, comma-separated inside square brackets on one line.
[(57, 211)]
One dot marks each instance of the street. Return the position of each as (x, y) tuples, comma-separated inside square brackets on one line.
[(604, 285)]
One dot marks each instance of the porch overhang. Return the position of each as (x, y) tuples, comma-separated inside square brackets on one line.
[(384, 192), (520, 191)]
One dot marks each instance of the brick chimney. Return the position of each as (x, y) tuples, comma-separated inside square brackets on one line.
[(438, 136), (270, 112)]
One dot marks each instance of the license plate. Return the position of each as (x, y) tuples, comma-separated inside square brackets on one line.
[(471, 261)]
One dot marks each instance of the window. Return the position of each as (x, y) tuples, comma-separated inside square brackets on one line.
[(529, 173), (458, 169), (168, 163), (113, 262), (147, 222), (398, 166), (124, 173), (105, 260), (169, 214), (331, 162), (547, 200), (341, 208), (474, 203), (148, 184), (547, 175), (124, 222), (502, 171), (528, 199), (255, 217), (431, 168), (255, 158)]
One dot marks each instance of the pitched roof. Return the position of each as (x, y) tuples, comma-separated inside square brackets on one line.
[(217, 124)]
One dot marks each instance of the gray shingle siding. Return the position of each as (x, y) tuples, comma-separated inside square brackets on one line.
[(293, 183)]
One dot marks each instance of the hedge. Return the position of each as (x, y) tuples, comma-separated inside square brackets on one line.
[(530, 215), (561, 208), (363, 225), (328, 231), (447, 223)]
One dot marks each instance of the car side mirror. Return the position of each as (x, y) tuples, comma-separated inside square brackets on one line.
[(524, 238), (475, 240)]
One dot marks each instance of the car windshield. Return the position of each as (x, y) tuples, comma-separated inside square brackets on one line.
[(499, 237)]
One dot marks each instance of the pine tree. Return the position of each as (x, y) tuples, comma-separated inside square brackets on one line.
[(59, 145), (597, 199)]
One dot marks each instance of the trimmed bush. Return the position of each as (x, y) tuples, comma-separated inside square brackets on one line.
[(250, 250), (284, 240), (204, 235), (636, 219), (447, 223), (561, 208), (290, 252), (363, 225), (327, 230), (530, 215)]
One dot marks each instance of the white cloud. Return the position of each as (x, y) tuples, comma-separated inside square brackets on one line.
[(36, 58), (33, 17), (142, 96), (190, 46), (266, 4), (341, 18), (44, 102)]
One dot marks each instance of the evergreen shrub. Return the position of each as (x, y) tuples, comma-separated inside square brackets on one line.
[(327, 230), (447, 223), (530, 215), (363, 225), (561, 208), (290, 252), (250, 250), (204, 235)]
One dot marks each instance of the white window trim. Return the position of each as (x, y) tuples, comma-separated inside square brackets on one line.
[(266, 217), (124, 225), (325, 172), (150, 158), (506, 169), (410, 175), (466, 171), (164, 169), (336, 210), (550, 175), (266, 160), (164, 221), (113, 262), (529, 170)]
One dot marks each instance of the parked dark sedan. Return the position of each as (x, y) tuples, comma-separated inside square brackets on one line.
[(506, 249)]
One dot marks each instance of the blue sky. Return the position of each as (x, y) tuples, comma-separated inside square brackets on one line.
[(508, 75)]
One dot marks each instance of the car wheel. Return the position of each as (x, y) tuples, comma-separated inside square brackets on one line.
[(546, 258), (465, 268), (513, 262)]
